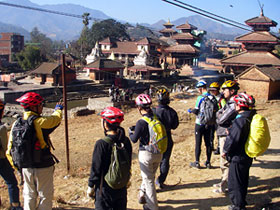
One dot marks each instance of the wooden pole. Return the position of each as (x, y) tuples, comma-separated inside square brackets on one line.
[(65, 111)]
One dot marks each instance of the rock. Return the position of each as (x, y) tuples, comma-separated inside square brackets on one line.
[(80, 111)]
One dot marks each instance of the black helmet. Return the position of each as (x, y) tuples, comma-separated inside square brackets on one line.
[(163, 96)]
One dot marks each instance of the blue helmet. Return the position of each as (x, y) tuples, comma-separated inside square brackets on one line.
[(201, 83)]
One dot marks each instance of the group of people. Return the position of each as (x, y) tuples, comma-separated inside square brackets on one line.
[(232, 125), (105, 196), (235, 110), (116, 94)]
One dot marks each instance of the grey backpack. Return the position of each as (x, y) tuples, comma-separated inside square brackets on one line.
[(207, 110)]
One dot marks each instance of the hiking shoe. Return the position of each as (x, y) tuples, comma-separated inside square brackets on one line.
[(195, 165), (142, 199), (208, 165), (217, 151), (219, 185), (219, 191)]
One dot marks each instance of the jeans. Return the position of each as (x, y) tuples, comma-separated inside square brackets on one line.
[(149, 163), (7, 172)]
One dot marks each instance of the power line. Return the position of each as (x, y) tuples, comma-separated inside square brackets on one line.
[(200, 13), (48, 11), (210, 13)]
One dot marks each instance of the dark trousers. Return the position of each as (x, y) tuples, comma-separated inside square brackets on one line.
[(202, 131), (7, 172), (212, 135), (110, 199), (164, 164), (238, 179)]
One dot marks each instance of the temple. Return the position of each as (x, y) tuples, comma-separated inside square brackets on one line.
[(258, 46)]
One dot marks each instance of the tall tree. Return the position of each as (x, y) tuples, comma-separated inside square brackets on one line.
[(46, 44)]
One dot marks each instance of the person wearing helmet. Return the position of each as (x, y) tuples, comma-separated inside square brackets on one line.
[(105, 196), (149, 162), (169, 118), (6, 170), (38, 177), (214, 90), (234, 151), (200, 129), (224, 118)]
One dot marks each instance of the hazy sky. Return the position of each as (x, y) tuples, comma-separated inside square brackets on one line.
[(150, 11)]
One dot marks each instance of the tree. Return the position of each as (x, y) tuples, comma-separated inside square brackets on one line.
[(99, 31), (47, 48), (29, 58)]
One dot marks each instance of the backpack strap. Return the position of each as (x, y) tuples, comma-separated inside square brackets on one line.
[(108, 140)]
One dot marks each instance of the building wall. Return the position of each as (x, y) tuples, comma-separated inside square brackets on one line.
[(259, 89), (11, 43), (258, 86)]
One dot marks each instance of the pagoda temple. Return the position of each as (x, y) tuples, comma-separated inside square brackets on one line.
[(182, 51), (168, 31), (258, 46)]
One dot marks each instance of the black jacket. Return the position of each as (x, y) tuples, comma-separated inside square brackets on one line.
[(101, 159), (238, 134), (168, 117)]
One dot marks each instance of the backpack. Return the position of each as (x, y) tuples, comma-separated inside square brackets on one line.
[(23, 146), (158, 137), (208, 106), (259, 137), (119, 173)]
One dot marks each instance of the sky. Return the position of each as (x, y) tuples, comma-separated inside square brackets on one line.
[(151, 11)]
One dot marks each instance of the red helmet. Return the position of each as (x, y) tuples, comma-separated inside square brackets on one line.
[(30, 99), (143, 100), (112, 115), (244, 100)]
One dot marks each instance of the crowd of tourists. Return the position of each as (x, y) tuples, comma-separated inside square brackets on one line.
[(28, 148)]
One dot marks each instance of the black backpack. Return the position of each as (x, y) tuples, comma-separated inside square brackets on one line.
[(207, 110), (23, 146)]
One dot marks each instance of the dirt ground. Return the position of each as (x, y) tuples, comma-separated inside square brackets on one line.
[(188, 188)]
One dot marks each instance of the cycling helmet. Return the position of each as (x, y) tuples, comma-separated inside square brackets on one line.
[(230, 84), (2, 104), (163, 95), (112, 115), (214, 86), (30, 99), (244, 100), (143, 100), (201, 83)]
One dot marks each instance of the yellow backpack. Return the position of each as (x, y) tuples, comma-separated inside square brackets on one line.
[(158, 136), (259, 137)]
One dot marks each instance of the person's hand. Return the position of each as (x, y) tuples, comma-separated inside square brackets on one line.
[(90, 192), (59, 105), (224, 155), (189, 110)]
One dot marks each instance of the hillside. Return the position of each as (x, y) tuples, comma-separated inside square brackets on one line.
[(9, 28), (54, 26), (67, 28)]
